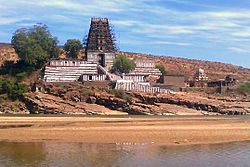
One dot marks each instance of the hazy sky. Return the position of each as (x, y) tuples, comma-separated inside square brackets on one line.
[(217, 30)]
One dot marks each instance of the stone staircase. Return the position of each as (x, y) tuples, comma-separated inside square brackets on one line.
[(68, 74), (111, 77)]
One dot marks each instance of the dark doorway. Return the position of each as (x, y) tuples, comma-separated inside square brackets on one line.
[(101, 59), (90, 78)]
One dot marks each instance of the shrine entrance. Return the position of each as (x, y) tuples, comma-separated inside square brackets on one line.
[(101, 59)]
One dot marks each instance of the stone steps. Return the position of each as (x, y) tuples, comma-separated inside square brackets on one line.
[(68, 74)]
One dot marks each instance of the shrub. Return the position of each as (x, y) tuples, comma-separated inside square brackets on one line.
[(120, 94), (12, 89), (20, 69), (162, 69), (245, 88), (87, 91)]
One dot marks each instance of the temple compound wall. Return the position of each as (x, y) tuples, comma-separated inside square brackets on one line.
[(139, 87), (143, 72)]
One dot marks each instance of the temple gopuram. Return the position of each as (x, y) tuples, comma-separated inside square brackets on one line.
[(100, 47)]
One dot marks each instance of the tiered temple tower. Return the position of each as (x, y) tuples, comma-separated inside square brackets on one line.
[(100, 47)]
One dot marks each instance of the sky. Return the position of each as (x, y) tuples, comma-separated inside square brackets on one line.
[(214, 30)]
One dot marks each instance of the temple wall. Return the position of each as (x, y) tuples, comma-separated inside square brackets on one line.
[(145, 63), (109, 59), (65, 62), (92, 57), (135, 78), (145, 67), (90, 77), (132, 86)]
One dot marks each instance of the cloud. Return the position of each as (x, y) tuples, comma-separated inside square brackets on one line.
[(7, 20), (172, 43), (126, 23), (245, 33), (238, 50)]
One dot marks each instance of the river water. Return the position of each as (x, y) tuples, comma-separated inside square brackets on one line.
[(57, 154)]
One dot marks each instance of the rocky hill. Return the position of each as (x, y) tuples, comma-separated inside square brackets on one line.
[(7, 52), (188, 67)]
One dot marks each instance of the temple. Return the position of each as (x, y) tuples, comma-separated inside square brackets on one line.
[(100, 53)]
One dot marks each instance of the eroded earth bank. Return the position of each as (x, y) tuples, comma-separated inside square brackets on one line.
[(76, 98)]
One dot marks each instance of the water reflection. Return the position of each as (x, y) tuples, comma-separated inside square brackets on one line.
[(21, 154), (55, 154), (61, 154)]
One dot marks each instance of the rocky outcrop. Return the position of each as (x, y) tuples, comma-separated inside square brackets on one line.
[(75, 94), (40, 103), (141, 104), (75, 98), (7, 52), (197, 102), (98, 104)]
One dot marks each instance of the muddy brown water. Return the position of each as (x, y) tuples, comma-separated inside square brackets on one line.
[(59, 154)]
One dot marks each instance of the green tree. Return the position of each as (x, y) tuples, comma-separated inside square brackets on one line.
[(162, 69), (123, 65), (35, 45), (72, 47)]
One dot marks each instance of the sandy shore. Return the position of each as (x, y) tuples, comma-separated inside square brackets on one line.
[(167, 131)]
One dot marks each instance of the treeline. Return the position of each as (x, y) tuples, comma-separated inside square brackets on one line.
[(34, 47)]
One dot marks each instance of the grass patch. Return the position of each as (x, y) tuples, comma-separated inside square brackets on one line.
[(87, 91)]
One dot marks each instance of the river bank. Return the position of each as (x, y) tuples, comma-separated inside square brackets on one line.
[(147, 130)]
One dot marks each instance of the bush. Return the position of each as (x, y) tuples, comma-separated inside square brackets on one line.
[(120, 94), (3, 97), (162, 69), (87, 92), (245, 88), (20, 69), (11, 89)]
